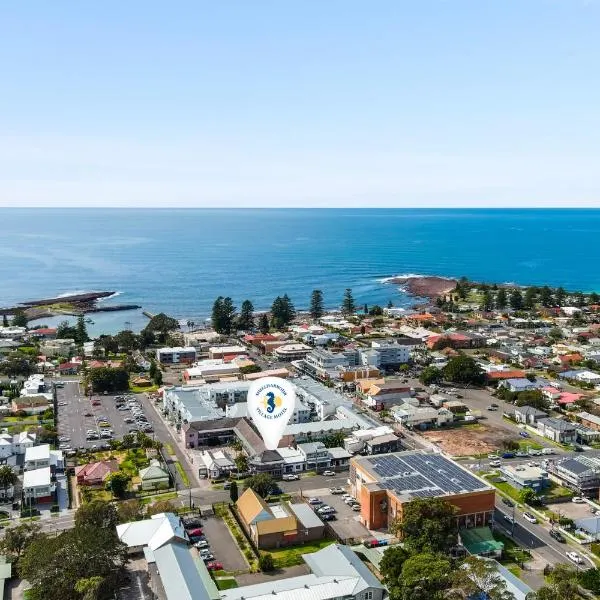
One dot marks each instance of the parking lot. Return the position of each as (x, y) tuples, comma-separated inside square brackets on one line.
[(78, 414), (222, 545), (571, 510), (347, 523)]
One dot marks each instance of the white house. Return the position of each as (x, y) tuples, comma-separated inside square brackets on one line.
[(37, 484)]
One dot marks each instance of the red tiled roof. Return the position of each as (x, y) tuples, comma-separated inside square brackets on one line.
[(497, 375), (69, 365), (44, 331)]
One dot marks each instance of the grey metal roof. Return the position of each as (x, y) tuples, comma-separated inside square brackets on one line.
[(306, 515), (180, 574), (557, 424)]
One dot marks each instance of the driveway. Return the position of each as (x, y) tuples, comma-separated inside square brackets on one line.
[(223, 545)]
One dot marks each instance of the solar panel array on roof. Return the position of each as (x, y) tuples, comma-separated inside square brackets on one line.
[(423, 475)]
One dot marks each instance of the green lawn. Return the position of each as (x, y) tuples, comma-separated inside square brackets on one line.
[(169, 449), (226, 584), (158, 497), (182, 473), (556, 491), (524, 444), (289, 557), (513, 553), (142, 390)]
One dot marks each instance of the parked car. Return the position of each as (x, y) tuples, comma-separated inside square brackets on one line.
[(529, 517), (96, 403), (578, 500), (557, 535), (195, 532), (214, 566), (227, 485), (201, 544), (326, 510), (492, 407), (508, 455), (509, 518), (329, 473), (356, 507), (576, 558), (290, 477), (508, 502), (521, 454), (336, 490), (207, 557), (328, 517), (495, 463), (314, 501)]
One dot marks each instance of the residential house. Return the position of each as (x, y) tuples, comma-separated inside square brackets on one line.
[(383, 396), (589, 420), (96, 473), (69, 368), (336, 572), (582, 375), (215, 464), (557, 430), (153, 533), (522, 384), (32, 405), (38, 486), (579, 473), (522, 476), (154, 477), (421, 416), (528, 414)]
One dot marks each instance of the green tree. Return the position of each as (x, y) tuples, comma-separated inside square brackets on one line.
[(477, 575), (594, 298), (501, 299), (376, 311), (560, 296), (262, 483), (263, 323), (390, 568), (555, 334), (81, 335), (334, 440), (527, 496), (430, 375), (282, 312), (316, 304), (107, 379), (427, 525), (530, 298), (562, 585), (127, 340), (16, 539), (579, 300), (516, 299), (241, 463), (117, 483), (245, 321), (233, 492), (463, 369), (348, 305), (17, 364), (19, 318), (425, 577), (533, 398), (546, 298), (8, 478), (158, 378), (129, 510), (4, 320), (81, 553), (223, 315), (487, 302), (162, 325), (97, 514), (266, 562), (89, 587)]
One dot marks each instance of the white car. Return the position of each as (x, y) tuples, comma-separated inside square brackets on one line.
[(529, 517), (329, 473), (314, 501), (495, 463), (578, 500), (576, 558), (290, 477)]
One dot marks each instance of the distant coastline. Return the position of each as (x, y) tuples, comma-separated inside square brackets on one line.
[(424, 286)]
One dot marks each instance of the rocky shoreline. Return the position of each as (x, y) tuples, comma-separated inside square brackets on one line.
[(425, 286)]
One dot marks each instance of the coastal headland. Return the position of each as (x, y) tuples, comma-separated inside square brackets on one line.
[(73, 304), (424, 286)]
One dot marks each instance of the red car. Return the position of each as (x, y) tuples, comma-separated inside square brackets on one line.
[(194, 532), (214, 566), (96, 403)]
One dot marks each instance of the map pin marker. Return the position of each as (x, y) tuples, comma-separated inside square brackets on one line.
[(271, 402)]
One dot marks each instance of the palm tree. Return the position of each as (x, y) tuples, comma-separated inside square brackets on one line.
[(8, 478)]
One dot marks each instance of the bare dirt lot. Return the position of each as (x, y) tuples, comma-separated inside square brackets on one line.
[(469, 440)]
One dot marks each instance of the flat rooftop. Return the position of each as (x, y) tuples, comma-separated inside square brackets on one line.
[(420, 475)]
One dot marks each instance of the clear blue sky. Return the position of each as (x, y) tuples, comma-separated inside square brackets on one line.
[(300, 103)]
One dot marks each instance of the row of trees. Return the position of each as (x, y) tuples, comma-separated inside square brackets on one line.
[(461, 369), (422, 568)]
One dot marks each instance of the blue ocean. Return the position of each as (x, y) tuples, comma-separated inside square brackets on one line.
[(179, 261)]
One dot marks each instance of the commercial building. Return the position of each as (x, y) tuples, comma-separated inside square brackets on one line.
[(177, 355), (391, 354), (277, 525), (589, 420), (224, 351), (384, 483), (290, 352)]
